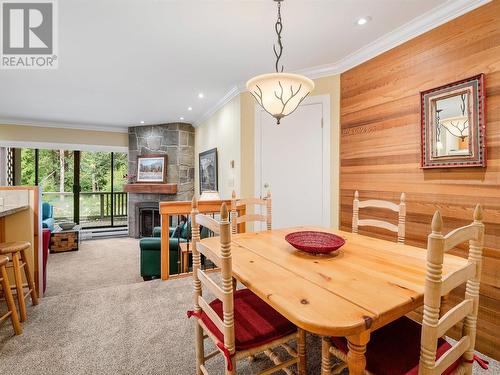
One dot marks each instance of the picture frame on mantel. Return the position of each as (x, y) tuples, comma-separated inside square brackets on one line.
[(453, 124), (208, 170), (152, 168)]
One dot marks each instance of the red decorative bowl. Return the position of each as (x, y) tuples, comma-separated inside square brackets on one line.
[(315, 242)]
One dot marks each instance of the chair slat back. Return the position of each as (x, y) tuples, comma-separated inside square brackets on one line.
[(266, 203), (250, 217), (436, 286), (379, 224), (208, 222), (455, 279), (379, 204), (223, 260), (460, 235), (450, 357), (250, 201), (211, 313), (454, 315), (214, 258), (210, 284), (375, 203)]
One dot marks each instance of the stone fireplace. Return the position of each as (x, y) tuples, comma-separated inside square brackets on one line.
[(147, 217), (176, 140)]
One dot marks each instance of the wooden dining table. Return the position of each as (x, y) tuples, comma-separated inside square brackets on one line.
[(365, 285)]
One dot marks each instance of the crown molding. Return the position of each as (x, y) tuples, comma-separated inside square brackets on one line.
[(417, 26), (63, 146), (230, 95), (320, 71), (58, 125), (433, 18)]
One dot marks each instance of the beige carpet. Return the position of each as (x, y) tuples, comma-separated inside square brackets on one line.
[(109, 322), (98, 264)]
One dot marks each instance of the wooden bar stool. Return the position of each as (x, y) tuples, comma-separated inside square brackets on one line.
[(12, 312), (17, 250)]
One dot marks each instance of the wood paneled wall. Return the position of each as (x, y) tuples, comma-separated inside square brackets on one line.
[(380, 143)]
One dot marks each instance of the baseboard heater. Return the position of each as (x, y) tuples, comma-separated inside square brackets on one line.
[(94, 233)]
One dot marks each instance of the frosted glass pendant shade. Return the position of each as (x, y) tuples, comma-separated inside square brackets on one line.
[(280, 93)]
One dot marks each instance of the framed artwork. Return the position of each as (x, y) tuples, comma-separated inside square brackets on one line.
[(152, 168), (454, 124), (208, 170)]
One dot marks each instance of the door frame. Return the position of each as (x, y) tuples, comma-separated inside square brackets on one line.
[(324, 100)]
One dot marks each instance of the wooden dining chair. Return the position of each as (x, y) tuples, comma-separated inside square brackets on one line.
[(375, 203), (406, 347), (239, 322), (265, 204)]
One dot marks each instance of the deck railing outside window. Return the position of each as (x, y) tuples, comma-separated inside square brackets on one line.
[(96, 208)]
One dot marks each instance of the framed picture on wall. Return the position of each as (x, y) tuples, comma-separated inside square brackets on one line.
[(454, 124), (152, 168), (208, 170)]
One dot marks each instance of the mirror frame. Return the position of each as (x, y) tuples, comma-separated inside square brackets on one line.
[(478, 125)]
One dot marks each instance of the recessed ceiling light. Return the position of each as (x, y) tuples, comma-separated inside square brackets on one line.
[(200, 95), (181, 118), (363, 20), (190, 108), (142, 122)]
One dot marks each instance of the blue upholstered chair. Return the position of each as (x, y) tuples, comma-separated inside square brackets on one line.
[(47, 216)]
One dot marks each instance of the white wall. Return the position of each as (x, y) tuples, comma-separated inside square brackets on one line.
[(324, 86), (231, 130), (222, 130)]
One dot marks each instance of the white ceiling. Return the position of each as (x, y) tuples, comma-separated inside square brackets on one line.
[(123, 61)]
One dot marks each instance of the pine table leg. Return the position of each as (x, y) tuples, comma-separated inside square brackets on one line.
[(301, 351), (356, 360), (326, 358)]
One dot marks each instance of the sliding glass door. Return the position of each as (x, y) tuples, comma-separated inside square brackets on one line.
[(95, 189), (82, 186), (120, 198), (53, 171)]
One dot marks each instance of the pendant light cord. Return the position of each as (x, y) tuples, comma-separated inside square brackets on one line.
[(278, 27)]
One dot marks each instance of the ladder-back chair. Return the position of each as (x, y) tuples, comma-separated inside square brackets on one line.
[(265, 203), (406, 347), (239, 322), (375, 203)]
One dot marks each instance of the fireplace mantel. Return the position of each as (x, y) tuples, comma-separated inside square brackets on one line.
[(175, 140), (144, 188)]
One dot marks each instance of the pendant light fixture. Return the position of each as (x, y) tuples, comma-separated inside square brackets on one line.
[(279, 93)]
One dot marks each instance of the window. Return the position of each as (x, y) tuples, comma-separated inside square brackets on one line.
[(90, 194)]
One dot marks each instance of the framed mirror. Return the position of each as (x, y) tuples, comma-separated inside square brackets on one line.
[(453, 124)]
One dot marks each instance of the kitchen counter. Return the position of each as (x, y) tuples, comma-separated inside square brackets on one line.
[(20, 221), (12, 209)]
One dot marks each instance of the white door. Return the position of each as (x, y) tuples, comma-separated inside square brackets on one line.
[(293, 162)]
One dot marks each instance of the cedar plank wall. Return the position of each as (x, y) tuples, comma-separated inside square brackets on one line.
[(380, 144)]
